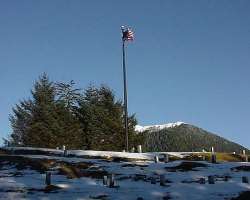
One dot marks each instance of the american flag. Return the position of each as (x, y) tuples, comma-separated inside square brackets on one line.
[(127, 35)]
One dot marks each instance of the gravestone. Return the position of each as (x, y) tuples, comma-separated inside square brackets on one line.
[(166, 158), (245, 179), (156, 158), (213, 158), (153, 180), (105, 180), (111, 180), (48, 178), (139, 149), (211, 180), (162, 180), (202, 180), (65, 153)]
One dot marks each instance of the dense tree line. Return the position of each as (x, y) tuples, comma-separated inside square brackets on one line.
[(59, 114)]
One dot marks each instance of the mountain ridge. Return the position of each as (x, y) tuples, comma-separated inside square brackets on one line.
[(181, 136)]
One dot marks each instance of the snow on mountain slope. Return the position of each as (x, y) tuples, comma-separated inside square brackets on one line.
[(157, 127)]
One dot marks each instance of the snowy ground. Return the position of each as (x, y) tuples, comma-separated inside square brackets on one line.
[(134, 180), (88, 153)]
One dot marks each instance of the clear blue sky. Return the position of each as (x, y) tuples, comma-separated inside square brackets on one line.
[(189, 62)]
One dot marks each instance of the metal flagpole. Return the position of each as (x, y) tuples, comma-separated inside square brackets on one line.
[(125, 93)]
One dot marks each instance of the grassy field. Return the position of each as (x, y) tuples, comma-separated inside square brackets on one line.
[(221, 157)]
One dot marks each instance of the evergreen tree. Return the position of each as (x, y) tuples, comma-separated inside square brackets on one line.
[(101, 117), (20, 122), (67, 93), (43, 121)]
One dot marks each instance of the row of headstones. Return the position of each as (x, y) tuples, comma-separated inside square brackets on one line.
[(137, 150), (109, 180), (213, 155), (211, 179), (243, 152), (65, 153), (166, 156)]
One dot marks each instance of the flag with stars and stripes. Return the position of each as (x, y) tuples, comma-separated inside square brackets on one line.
[(127, 35)]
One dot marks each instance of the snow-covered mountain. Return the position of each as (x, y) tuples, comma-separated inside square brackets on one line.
[(157, 127), (183, 137)]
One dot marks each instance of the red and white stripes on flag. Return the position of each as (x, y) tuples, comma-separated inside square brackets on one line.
[(127, 35)]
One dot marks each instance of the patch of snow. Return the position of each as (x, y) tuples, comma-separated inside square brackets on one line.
[(55, 151), (104, 154), (139, 128), (114, 154)]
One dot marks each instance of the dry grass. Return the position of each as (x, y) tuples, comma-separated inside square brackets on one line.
[(71, 170), (221, 157), (79, 170), (171, 158), (229, 157), (22, 162)]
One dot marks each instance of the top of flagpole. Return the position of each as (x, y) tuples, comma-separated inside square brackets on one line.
[(127, 34), (123, 30)]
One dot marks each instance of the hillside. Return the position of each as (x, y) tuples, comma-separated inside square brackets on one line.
[(184, 137)]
